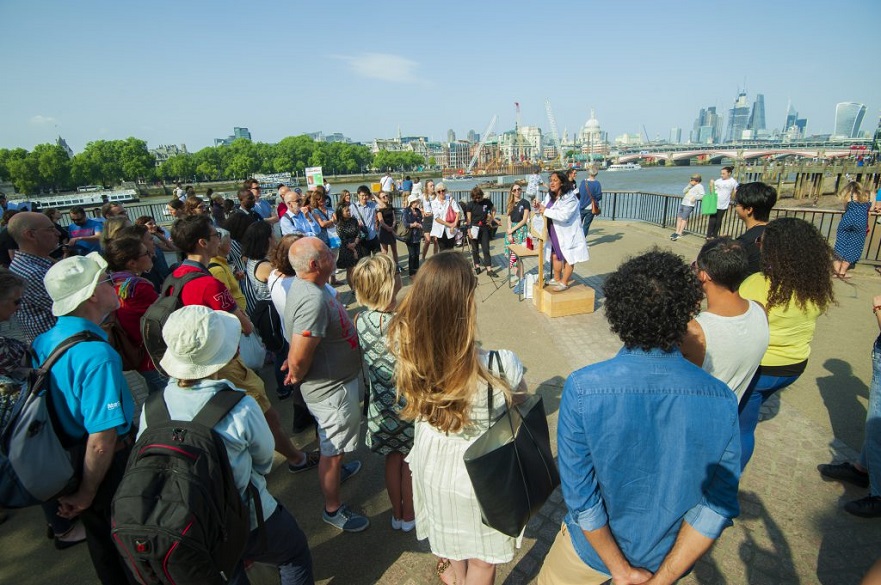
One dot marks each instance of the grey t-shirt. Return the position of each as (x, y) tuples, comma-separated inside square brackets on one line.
[(312, 311)]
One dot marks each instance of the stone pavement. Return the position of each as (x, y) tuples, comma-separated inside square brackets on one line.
[(792, 529)]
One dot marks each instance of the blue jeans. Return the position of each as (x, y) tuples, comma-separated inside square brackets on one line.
[(870, 456), (586, 219), (286, 548), (764, 387)]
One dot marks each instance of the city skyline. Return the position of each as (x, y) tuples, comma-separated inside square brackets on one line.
[(190, 73)]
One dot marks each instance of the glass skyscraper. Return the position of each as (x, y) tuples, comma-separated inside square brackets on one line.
[(848, 117)]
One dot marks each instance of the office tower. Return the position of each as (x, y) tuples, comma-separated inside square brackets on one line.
[(675, 135), (791, 116), (757, 117), (472, 136), (848, 117), (707, 127), (241, 133), (738, 118), (451, 136)]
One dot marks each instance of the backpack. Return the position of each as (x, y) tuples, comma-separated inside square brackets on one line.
[(267, 323), (154, 318), (38, 462), (132, 354), (177, 516)]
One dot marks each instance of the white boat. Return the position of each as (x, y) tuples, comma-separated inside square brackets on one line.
[(625, 167), (84, 198)]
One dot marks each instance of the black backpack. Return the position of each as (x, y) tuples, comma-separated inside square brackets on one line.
[(153, 320), (177, 516)]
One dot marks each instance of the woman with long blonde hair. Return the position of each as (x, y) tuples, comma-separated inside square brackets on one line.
[(443, 377)]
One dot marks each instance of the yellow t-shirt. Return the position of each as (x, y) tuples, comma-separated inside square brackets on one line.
[(224, 274), (792, 329)]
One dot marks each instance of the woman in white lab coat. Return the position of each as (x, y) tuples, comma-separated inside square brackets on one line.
[(565, 245)]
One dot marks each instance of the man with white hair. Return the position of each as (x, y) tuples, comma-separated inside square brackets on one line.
[(91, 399), (36, 237), (324, 356)]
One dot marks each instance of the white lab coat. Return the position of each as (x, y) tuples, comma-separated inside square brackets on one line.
[(567, 223)]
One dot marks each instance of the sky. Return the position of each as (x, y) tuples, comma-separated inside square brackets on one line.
[(186, 72)]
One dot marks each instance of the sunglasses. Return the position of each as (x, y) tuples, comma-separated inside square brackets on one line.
[(441, 190)]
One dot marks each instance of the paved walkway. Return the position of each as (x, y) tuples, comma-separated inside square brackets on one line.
[(792, 529)]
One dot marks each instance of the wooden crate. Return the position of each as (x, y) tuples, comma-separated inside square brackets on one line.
[(576, 300)]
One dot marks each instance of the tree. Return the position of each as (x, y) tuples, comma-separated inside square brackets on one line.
[(23, 171), (135, 160), (53, 166), (179, 166)]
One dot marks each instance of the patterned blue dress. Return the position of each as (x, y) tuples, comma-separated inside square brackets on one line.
[(851, 234)]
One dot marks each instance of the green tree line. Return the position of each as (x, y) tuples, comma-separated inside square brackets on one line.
[(109, 162)]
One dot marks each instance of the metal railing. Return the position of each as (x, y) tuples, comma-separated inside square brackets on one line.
[(661, 209)]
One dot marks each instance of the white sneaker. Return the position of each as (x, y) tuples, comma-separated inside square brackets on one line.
[(396, 524), (407, 526)]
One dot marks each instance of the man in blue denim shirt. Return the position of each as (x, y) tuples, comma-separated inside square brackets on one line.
[(648, 443)]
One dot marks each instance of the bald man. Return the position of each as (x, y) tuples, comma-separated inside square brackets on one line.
[(36, 237)]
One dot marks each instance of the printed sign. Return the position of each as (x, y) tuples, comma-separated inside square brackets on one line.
[(314, 176)]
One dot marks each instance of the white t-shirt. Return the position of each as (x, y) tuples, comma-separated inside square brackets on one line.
[(693, 195), (724, 189), (417, 189), (735, 346), (387, 184)]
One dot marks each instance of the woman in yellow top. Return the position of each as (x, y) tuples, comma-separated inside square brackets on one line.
[(794, 287), (222, 271)]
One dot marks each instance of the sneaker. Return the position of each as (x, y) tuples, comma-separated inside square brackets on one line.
[(349, 469), (407, 526), (674, 237), (396, 524), (868, 507), (346, 520), (673, 234), (844, 472), (312, 459)]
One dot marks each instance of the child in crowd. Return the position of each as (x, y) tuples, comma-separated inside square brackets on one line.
[(376, 283)]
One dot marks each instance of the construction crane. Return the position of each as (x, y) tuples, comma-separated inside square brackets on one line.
[(553, 122), (483, 139)]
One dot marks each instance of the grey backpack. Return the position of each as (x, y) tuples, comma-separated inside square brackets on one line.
[(37, 461)]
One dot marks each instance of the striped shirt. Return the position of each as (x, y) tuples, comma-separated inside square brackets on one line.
[(35, 313)]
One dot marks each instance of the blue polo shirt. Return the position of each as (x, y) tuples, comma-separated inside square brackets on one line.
[(91, 227), (89, 392)]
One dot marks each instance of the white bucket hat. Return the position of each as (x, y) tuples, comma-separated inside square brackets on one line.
[(73, 280), (200, 342), (412, 198)]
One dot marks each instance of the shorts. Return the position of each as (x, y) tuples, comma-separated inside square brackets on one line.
[(244, 378), (563, 566), (339, 418), (685, 211)]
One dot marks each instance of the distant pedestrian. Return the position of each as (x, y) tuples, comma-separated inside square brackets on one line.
[(387, 183), (364, 211), (693, 192), (407, 186), (533, 182), (850, 238), (753, 206), (428, 196), (412, 217), (589, 192), (726, 188), (480, 217)]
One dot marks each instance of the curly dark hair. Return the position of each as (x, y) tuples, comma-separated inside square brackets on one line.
[(650, 299), (797, 261)]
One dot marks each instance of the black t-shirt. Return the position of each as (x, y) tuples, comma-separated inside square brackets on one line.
[(753, 252), (479, 210), (519, 210), (7, 244)]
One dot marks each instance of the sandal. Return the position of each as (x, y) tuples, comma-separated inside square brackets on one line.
[(561, 287), (311, 461), (443, 565)]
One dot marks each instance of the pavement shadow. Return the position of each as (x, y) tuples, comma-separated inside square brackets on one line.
[(844, 560), (765, 552), (841, 392), (606, 239), (551, 391)]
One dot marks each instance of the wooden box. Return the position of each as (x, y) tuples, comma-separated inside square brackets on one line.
[(576, 300)]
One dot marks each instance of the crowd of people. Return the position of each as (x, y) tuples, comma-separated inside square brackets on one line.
[(651, 444)]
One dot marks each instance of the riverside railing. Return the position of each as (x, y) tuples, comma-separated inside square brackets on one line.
[(658, 209)]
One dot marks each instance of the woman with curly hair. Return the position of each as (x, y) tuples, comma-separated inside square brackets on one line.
[(443, 378), (566, 245), (795, 288), (850, 237)]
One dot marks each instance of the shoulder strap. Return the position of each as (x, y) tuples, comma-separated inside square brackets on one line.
[(155, 409), (178, 282), (214, 265), (218, 407), (65, 345), (493, 356)]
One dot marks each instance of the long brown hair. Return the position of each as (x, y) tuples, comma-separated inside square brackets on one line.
[(438, 373)]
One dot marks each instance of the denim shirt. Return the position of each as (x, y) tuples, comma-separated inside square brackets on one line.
[(646, 440)]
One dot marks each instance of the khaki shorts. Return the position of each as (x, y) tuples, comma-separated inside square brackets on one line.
[(339, 418), (246, 379), (563, 566)]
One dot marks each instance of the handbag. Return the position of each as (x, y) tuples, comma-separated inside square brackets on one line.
[(403, 230), (708, 203), (252, 351), (333, 237), (594, 206), (511, 466), (451, 216)]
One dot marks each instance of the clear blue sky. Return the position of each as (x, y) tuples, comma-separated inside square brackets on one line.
[(188, 71)]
